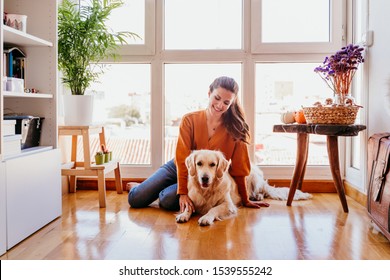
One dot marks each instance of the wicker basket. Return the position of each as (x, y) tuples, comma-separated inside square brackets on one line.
[(331, 115)]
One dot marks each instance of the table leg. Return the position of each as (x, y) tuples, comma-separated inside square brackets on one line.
[(102, 188), (72, 183), (300, 165), (299, 185), (73, 158), (86, 149), (118, 179), (333, 154)]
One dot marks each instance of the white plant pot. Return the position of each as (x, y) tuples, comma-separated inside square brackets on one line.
[(78, 110)]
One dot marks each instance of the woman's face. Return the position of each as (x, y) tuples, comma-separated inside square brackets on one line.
[(220, 100)]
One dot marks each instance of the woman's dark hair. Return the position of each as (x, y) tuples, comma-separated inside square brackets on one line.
[(234, 118)]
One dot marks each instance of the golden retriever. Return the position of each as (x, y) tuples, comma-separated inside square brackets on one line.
[(214, 192)]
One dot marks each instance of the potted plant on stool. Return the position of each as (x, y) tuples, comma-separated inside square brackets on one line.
[(107, 154), (84, 40), (99, 158)]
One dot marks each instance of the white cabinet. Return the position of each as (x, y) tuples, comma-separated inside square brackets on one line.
[(33, 193), (31, 185)]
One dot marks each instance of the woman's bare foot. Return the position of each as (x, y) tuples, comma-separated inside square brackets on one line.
[(130, 185)]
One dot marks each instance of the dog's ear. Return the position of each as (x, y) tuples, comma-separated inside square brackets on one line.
[(223, 165), (190, 163)]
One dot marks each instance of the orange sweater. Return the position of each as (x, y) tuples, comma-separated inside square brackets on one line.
[(193, 136)]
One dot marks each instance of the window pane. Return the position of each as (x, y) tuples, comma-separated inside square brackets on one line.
[(282, 87), (186, 90), (286, 21), (122, 104), (129, 17), (203, 24)]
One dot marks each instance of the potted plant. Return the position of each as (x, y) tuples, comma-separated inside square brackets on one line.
[(107, 154), (84, 40), (99, 158)]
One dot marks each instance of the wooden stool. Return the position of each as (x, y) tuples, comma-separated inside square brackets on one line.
[(86, 168), (331, 131)]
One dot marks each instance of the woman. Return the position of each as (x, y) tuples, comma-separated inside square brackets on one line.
[(220, 127)]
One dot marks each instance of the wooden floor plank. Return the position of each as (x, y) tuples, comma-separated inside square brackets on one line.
[(316, 229)]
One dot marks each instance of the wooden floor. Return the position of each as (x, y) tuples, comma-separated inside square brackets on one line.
[(308, 230)]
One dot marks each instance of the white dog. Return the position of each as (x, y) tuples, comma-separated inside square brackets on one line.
[(258, 188), (214, 192)]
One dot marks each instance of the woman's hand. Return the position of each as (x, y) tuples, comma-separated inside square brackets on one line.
[(256, 204), (186, 204)]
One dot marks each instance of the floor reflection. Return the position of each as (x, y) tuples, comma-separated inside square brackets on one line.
[(317, 229)]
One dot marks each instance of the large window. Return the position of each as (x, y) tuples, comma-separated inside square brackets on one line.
[(269, 46)]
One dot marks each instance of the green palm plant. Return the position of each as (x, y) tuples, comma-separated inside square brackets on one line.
[(84, 40)]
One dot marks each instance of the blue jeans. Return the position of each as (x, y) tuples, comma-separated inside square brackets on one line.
[(162, 185)]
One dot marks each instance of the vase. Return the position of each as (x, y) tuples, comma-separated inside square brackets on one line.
[(342, 99), (106, 157), (78, 110), (99, 159)]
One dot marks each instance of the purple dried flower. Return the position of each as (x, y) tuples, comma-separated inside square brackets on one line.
[(338, 69)]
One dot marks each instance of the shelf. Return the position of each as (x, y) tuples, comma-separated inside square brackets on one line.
[(29, 151), (17, 37), (26, 95), (31, 177)]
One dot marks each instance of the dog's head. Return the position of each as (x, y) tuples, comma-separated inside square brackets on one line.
[(207, 166)]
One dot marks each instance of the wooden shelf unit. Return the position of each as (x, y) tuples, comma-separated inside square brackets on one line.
[(32, 180)]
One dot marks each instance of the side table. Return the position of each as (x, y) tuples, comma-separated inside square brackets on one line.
[(87, 168), (332, 132)]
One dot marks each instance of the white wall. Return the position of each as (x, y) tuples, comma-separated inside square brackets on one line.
[(379, 68)]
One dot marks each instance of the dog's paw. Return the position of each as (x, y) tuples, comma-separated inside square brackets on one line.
[(232, 211), (183, 217), (299, 195), (258, 197), (206, 220)]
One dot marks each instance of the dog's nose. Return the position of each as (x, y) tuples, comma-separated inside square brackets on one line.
[(205, 179)]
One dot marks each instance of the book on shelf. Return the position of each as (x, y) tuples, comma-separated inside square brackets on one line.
[(10, 64), (14, 61), (18, 67), (5, 64)]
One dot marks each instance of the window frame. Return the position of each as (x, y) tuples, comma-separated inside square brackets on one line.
[(358, 176)]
